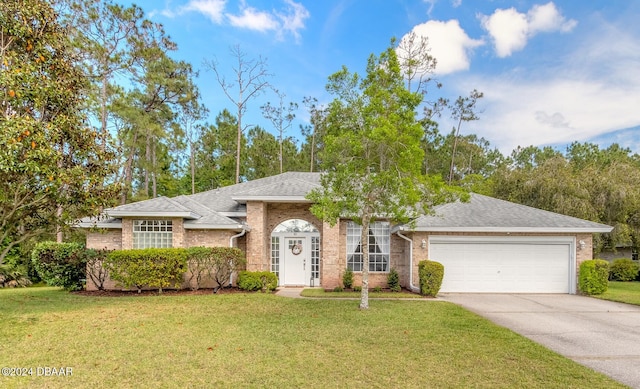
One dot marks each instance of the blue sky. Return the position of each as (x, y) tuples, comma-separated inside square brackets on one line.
[(551, 72)]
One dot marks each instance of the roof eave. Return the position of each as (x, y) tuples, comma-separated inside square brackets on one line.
[(204, 226), (99, 225), (565, 230), (158, 214), (272, 199)]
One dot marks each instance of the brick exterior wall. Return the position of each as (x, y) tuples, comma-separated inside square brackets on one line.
[(107, 239), (338, 262), (116, 239), (263, 218)]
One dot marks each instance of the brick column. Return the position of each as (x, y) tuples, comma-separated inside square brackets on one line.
[(331, 270), (257, 258), (177, 226), (127, 234)]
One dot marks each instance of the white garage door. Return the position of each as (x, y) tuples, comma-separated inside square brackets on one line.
[(505, 264)]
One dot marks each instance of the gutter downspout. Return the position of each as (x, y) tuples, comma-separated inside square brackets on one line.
[(231, 240), (412, 287)]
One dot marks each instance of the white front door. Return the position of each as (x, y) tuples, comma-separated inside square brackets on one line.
[(296, 261)]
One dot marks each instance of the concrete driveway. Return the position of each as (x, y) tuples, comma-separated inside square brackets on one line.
[(602, 335)]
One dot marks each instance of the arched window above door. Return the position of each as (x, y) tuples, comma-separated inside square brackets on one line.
[(295, 225)]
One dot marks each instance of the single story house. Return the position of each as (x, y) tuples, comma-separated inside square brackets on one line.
[(486, 244)]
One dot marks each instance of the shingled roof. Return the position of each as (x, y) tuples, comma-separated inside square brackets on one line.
[(218, 208), (488, 214)]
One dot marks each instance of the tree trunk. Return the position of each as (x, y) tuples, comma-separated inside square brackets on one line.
[(313, 146), (59, 233), (364, 246), (147, 158), (192, 160), (128, 173), (154, 177), (238, 146)]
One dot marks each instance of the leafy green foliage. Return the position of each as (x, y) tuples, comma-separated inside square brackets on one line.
[(264, 281), (623, 269), (593, 277), (393, 280), (338, 289), (12, 278), (372, 154), (153, 267), (53, 167), (585, 182), (431, 274), (60, 264), (347, 278), (218, 263)]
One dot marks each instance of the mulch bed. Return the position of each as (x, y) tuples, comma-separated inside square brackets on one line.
[(154, 292)]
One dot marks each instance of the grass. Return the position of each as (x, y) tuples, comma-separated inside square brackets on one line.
[(624, 292), (263, 340), (318, 292)]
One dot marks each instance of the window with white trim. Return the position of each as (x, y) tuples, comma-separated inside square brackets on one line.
[(379, 247), (275, 255), (152, 234)]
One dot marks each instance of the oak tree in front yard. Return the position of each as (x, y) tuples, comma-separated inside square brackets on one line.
[(372, 156)]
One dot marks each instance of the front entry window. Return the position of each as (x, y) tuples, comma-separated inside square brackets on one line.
[(379, 247)]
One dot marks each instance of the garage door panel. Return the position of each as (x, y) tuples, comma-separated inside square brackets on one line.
[(537, 267)]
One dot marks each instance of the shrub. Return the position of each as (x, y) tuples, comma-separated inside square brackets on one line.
[(357, 288), (60, 264), (338, 289), (153, 267), (257, 280), (593, 276), (377, 289), (431, 274), (623, 269), (347, 279), (95, 266), (393, 280), (219, 263), (11, 277)]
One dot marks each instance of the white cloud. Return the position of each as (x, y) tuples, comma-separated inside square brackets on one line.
[(589, 93), (510, 30), (254, 19), (212, 9), (290, 20), (456, 3), (293, 21), (449, 43)]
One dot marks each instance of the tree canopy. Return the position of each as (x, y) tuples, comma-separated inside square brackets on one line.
[(372, 155)]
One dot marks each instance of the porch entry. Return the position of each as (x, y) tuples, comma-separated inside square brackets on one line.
[(295, 253)]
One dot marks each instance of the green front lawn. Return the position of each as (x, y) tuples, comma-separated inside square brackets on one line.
[(624, 292), (263, 340)]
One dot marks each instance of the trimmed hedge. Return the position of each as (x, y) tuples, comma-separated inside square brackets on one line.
[(593, 277), (431, 274), (257, 280), (153, 267), (623, 269), (60, 264), (218, 263)]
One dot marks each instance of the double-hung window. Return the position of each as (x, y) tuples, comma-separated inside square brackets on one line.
[(152, 234), (379, 247)]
